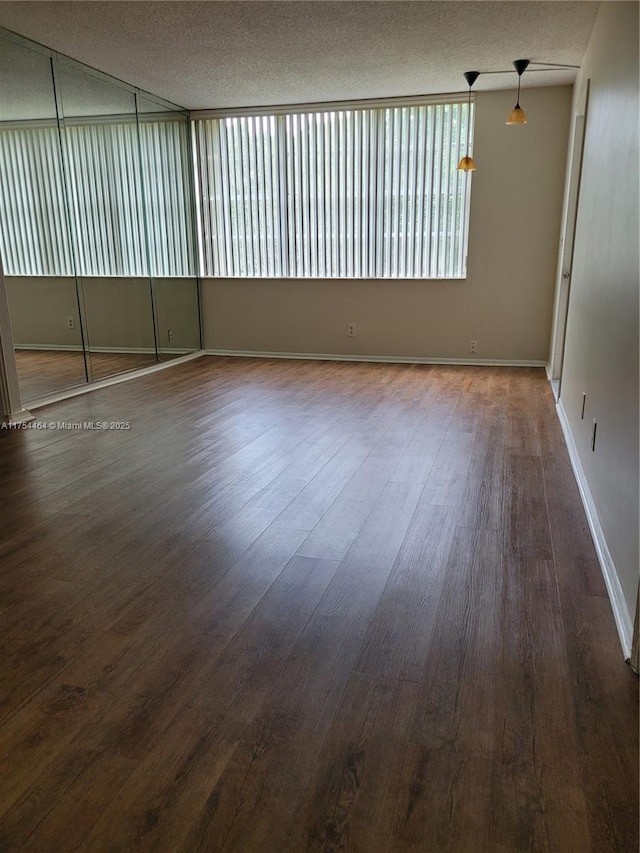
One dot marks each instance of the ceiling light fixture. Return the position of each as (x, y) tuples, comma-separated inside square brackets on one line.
[(466, 164), (517, 114)]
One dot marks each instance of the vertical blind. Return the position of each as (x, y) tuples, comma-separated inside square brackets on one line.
[(130, 200), (34, 237), (348, 193), (340, 193), (103, 170), (167, 180)]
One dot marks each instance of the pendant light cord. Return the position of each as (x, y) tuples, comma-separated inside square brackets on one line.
[(468, 123)]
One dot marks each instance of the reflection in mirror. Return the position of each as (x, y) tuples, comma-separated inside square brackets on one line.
[(84, 94), (171, 229), (97, 225), (26, 85), (119, 319), (46, 333), (176, 303), (34, 236), (102, 159)]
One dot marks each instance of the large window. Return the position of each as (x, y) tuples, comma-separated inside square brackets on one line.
[(340, 193)]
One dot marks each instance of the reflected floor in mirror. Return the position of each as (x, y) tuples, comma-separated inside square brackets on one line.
[(42, 372), (105, 364)]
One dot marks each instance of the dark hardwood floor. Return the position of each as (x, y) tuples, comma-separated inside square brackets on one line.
[(45, 372), (306, 606)]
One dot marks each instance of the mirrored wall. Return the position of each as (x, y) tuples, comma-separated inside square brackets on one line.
[(97, 224)]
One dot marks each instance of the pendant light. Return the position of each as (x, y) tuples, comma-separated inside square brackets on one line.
[(466, 164), (517, 115)]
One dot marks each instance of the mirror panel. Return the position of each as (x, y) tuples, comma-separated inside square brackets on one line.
[(25, 83), (119, 322), (177, 313), (167, 176), (34, 236), (97, 222), (46, 334), (101, 149)]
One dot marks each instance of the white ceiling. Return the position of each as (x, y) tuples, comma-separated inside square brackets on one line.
[(213, 54)]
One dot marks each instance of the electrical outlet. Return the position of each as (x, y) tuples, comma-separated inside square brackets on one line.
[(71, 323), (351, 330), (170, 335), (473, 346)]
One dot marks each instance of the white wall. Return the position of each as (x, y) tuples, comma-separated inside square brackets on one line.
[(506, 301), (601, 352)]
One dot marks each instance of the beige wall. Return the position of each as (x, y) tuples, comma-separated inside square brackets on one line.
[(117, 311), (506, 301), (177, 309), (601, 353), (39, 308)]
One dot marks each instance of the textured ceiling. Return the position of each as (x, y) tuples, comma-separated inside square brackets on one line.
[(216, 54)]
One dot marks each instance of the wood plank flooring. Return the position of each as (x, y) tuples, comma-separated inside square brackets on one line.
[(44, 372), (305, 606)]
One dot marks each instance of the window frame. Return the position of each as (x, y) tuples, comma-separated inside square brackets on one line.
[(307, 216)]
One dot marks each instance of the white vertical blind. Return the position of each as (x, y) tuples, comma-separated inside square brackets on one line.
[(34, 237), (343, 193), (114, 190), (337, 193), (103, 170), (243, 206), (167, 192)]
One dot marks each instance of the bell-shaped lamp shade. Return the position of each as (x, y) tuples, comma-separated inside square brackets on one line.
[(466, 165), (517, 116)]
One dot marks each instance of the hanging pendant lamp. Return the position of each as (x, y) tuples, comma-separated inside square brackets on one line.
[(466, 164), (517, 114)]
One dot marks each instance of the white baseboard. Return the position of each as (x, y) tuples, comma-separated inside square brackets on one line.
[(112, 380), (621, 614), (384, 359), (123, 350), (79, 348), (555, 383), (21, 417)]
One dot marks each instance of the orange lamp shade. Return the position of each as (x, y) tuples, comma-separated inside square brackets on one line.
[(466, 165), (517, 116)]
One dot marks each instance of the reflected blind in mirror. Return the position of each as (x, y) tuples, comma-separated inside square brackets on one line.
[(34, 237), (129, 207)]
